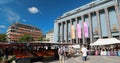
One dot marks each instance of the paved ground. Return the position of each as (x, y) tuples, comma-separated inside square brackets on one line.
[(91, 59)]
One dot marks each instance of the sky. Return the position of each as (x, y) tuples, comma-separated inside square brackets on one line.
[(39, 13)]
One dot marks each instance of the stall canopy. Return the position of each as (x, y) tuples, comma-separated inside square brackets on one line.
[(75, 46), (107, 41)]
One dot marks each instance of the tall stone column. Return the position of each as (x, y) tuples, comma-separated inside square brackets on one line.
[(76, 31), (66, 31), (99, 24), (90, 30), (58, 31), (108, 22), (118, 16), (70, 30), (83, 34), (61, 32), (62, 36)]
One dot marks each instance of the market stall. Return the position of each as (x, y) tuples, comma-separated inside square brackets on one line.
[(107, 41), (108, 46)]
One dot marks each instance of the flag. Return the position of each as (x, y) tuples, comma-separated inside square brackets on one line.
[(79, 30), (72, 32), (86, 29)]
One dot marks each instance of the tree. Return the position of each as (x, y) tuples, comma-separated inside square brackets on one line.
[(26, 38), (2, 37), (48, 39), (40, 38)]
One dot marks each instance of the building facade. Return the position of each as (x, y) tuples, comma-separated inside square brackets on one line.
[(50, 36), (102, 18), (17, 30)]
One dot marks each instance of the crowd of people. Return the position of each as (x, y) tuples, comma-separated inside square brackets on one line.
[(62, 53), (97, 51), (105, 52), (4, 52)]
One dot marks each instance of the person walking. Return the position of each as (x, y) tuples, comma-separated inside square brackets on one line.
[(61, 53), (1, 52), (72, 51), (84, 53), (6, 53)]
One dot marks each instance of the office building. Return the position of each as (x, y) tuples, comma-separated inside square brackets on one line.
[(50, 36), (17, 30)]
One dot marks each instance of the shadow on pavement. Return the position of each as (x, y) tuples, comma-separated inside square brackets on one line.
[(88, 58)]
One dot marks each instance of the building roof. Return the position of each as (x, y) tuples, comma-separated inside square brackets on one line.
[(25, 26), (81, 8)]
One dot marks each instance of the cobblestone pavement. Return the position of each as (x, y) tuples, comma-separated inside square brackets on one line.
[(91, 59)]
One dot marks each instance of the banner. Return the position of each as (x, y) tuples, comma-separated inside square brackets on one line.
[(72, 32), (79, 30), (86, 29)]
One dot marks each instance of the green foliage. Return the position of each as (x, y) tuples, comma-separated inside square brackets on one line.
[(40, 38), (26, 38), (2, 37), (48, 39)]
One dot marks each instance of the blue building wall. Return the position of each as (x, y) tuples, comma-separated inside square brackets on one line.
[(103, 24), (65, 32), (113, 20), (94, 24)]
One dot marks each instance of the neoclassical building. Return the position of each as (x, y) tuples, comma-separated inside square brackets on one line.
[(102, 18)]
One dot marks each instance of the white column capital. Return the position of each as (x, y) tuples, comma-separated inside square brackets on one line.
[(105, 8)]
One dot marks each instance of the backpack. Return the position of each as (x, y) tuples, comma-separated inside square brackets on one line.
[(61, 51)]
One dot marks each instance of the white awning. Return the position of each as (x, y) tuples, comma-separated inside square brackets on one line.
[(107, 41), (76, 46)]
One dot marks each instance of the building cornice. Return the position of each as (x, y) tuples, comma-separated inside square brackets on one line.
[(82, 8), (26, 26)]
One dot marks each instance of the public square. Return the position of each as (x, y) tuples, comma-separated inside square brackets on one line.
[(91, 59), (43, 31)]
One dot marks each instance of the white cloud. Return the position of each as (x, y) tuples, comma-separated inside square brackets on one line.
[(24, 20), (33, 10), (5, 1), (2, 26)]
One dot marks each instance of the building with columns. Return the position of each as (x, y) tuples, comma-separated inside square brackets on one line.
[(101, 16)]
